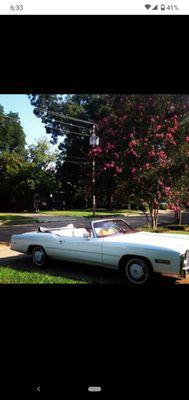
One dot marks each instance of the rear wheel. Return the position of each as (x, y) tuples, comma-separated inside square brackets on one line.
[(137, 271), (39, 256)]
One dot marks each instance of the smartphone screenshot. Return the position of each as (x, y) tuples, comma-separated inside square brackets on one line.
[(94, 199)]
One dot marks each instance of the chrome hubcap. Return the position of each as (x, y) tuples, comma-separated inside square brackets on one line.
[(137, 271), (39, 256)]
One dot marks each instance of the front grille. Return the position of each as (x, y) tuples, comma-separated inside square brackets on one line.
[(186, 263)]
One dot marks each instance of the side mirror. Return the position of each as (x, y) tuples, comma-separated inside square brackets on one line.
[(86, 235)]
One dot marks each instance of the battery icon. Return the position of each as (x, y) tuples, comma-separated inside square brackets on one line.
[(94, 389)]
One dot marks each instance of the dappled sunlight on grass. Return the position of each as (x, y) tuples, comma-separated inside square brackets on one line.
[(18, 276)]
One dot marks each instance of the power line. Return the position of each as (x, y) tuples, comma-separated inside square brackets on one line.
[(64, 116), (69, 124), (75, 162), (75, 157), (64, 132)]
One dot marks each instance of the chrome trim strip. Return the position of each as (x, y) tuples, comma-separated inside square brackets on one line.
[(160, 261)]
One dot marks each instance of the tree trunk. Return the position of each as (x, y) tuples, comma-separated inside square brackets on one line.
[(147, 218), (36, 202), (154, 216), (176, 217), (180, 217)]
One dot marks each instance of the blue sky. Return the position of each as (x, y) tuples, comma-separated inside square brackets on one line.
[(33, 128)]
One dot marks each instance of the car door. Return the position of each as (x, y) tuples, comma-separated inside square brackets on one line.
[(80, 249)]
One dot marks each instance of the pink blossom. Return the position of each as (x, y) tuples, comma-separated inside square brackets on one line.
[(162, 154), (133, 153), (110, 146), (133, 143), (133, 171), (97, 150), (151, 153), (147, 166), (167, 189), (174, 207), (158, 127), (118, 170), (163, 163), (169, 136), (187, 139)]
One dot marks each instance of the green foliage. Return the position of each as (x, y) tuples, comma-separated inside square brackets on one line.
[(73, 164), (27, 181), (21, 276), (40, 154), (144, 147), (12, 137)]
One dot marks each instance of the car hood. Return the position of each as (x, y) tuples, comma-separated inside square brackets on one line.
[(162, 241)]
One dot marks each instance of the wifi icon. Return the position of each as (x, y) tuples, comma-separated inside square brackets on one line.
[(147, 6)]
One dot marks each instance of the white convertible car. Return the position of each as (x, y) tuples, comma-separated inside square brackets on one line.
[(109, 243)]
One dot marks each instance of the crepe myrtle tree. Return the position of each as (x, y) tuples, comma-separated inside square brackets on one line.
[(141, 142), (178, 195)]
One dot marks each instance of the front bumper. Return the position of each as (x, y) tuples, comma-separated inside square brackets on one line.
[(184, 264)]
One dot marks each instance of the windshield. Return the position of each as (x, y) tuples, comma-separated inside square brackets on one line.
[(111, 228)]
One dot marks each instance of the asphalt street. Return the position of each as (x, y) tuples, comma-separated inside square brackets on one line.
[(51, 222)]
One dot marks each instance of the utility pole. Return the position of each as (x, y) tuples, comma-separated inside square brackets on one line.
[(94, 141)]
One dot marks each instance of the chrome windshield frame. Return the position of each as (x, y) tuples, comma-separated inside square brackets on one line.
[(106, 220)]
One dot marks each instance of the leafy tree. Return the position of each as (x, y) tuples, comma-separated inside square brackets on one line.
[(143, 145), (10, 165), (40, 179), (12, 137), (73, 165), (27, 181)]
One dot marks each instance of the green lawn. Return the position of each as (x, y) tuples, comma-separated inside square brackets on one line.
[(11, 219), (15, 276), (169, 228), (89, 213)]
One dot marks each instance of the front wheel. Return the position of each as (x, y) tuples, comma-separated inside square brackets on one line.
[(39, 256), (137, 271)]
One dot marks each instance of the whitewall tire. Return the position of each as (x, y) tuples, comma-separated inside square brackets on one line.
[(39, 256)]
